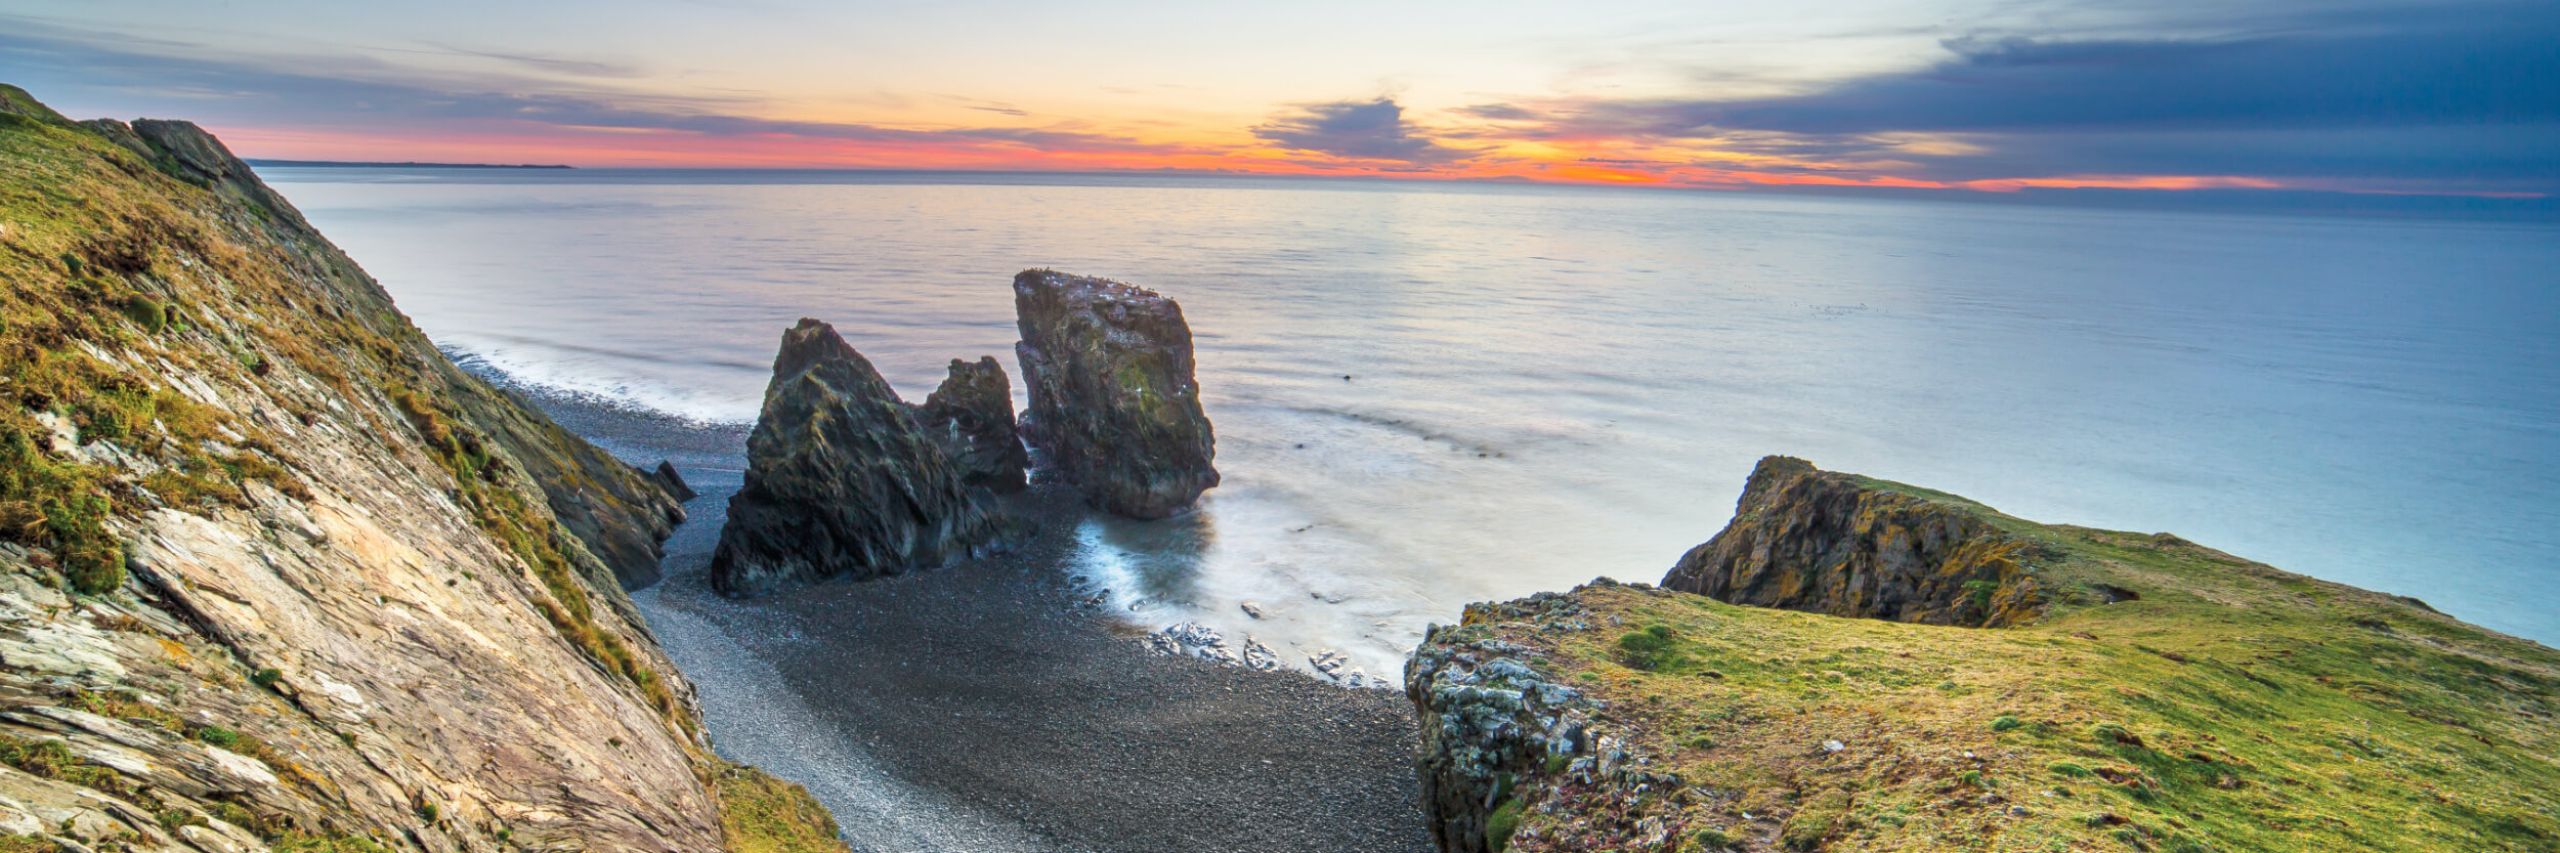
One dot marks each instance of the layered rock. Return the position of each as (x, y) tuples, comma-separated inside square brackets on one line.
[(1115, 408), (972, 415), (842, 479), (273, 571), (1807, 539)]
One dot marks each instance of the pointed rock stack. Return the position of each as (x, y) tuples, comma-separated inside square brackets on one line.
[(1114, 407), (842, 479), (972, 415)]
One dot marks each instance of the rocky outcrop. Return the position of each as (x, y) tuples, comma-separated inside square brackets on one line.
[(843, 480), (620, 513), (2136, 691), (1115, 409), (273, 571), (1807, 539), (972, 415), (1503, 739)]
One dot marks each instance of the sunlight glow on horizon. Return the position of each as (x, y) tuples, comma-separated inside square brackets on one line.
[(1889, 94)]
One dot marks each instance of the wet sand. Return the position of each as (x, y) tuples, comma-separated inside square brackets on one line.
[(982, 707)]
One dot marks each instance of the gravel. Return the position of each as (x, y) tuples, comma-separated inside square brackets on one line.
[(981, 707)]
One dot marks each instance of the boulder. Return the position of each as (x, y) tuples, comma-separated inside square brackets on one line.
[(1114, 407), (842, 480), (1807, 539), (972, 415)]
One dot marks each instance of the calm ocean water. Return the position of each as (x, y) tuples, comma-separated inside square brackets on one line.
[(1427, 395)]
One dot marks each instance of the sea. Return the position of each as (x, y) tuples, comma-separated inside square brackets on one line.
[(1429, 394)]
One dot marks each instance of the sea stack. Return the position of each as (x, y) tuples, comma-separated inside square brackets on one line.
[(972, 415), (842, 480), (1807, 539), (1114, 407)]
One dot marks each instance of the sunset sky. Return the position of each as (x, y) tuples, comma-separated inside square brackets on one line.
[(2432, 98)]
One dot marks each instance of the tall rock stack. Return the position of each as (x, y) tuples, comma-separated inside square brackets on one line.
[(843, 480), (1114, 407), (972, 415)]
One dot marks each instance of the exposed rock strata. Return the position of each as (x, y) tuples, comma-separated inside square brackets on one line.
[(1115, 409), (842, 479), (1806, 539), (274, 571), (972, 415)]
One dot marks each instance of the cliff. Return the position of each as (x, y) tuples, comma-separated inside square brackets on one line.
[(273, 572), (2150, 694), (1806, 539)]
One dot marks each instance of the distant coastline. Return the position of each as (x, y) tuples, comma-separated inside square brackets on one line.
[(356, 164)]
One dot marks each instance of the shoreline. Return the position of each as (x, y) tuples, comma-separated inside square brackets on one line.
[(982, 706)]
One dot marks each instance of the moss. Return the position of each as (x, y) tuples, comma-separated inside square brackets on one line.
[(296, 842), (2006, 722), (762, 814), (1709, 838), (52, 759), (151, 314), (1499, 826), (1816, 821), (1650, 649)]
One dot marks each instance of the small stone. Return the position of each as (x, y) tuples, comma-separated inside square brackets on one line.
[(1833, 746), (1251, 609)]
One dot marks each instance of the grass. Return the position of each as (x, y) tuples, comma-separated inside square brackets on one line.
[(762, 814), (2230, 707), (95, 246)]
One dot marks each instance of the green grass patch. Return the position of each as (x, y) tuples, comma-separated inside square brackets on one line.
[(762, 814)]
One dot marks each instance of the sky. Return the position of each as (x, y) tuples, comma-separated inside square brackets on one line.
[(2452, 99)]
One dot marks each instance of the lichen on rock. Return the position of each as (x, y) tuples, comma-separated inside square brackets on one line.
[(1115, 408), (843, 479)]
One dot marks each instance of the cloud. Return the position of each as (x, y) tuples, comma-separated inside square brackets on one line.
[(2463, 94), (1361, 130), (1498, 112), (367, 94), (539, 62)]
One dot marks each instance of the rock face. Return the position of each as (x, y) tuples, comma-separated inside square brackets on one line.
[(1807, 539), (1501, 735), (1114, 407), (972, 415), (273, 572), (843, 480)]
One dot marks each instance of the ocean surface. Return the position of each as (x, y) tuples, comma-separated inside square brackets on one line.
[(1432, 394)]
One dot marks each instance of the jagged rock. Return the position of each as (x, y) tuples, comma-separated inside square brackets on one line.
[(972, 415), (666, 477), (842, 480), (1114, 407), (1807, 539)]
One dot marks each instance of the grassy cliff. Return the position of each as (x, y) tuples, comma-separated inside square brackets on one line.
[(2160, 696), (273, 572)]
